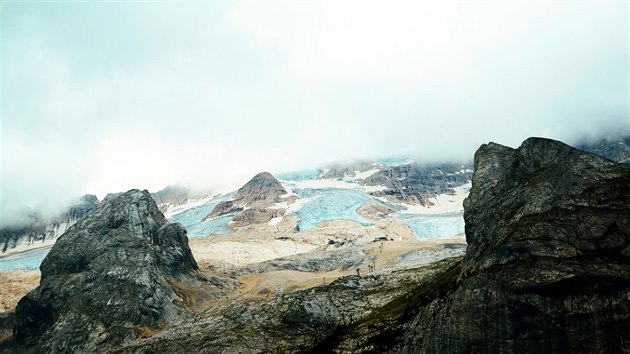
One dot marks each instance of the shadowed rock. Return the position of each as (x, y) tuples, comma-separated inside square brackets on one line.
[(547, 269)]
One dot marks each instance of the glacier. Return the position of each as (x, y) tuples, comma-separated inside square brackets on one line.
[(29, 260), (192, 219), (300, 175), (434, 225), (329, 204)]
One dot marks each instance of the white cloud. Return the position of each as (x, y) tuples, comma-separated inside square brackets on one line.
[(208, 94)]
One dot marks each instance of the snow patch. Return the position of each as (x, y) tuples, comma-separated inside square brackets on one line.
[(275, 221), (190, 203), (378, 188), (444, 203), (365, 174)]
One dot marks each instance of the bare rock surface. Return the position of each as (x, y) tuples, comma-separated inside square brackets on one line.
[(547, 267), (116, 273), (254, 203)]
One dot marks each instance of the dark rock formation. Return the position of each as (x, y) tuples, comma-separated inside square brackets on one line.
[(547, 267), (173, 195), (257, 195), (113, 274), (416, 183)]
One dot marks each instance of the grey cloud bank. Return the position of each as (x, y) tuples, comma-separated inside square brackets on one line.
[(103, 97)]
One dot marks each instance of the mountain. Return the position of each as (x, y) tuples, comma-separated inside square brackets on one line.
[(547, 267), (255, 202), (120, 270), (40, 230), (361, 191), (546, 270)]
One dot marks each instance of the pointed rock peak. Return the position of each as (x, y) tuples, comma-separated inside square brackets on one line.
[(261, 192), (108, 276), (261, 187)]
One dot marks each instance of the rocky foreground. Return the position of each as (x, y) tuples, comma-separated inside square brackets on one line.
[(547, 269)]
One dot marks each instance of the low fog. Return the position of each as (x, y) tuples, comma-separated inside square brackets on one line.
[(105, 97)]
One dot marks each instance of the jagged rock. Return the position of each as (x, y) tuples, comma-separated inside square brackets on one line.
[(112, 274), (252, 203), (415, 183), (547, 267)]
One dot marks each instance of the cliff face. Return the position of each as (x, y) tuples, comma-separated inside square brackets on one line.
[(548, 263), (109, 277), (547, 267)]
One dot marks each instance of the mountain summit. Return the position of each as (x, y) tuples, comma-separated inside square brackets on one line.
[(254, 203)]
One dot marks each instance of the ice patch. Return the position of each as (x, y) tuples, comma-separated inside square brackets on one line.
[(192, 219), (28, 260), (174, 210), (318, 205), (300, 175), (378, 188), (322, 184), (365, 174), (443, 203), (275, 221), (436, 225)]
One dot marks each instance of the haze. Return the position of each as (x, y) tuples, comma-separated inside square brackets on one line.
[(102, 97)]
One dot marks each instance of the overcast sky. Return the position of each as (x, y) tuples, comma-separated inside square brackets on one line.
[(101, 97)]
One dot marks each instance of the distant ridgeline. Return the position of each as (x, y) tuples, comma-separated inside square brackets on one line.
[(402, 182), (39, 229)]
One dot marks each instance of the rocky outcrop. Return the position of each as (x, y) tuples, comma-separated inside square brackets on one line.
[(547, 267), (117, 272), (254, 202), (416, 183), (256, 216), (375, 210)]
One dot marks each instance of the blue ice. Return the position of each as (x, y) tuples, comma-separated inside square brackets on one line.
[(300, 175), (394, 161), (192, 218), (437, 225), (330, 204), (28, 260)]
